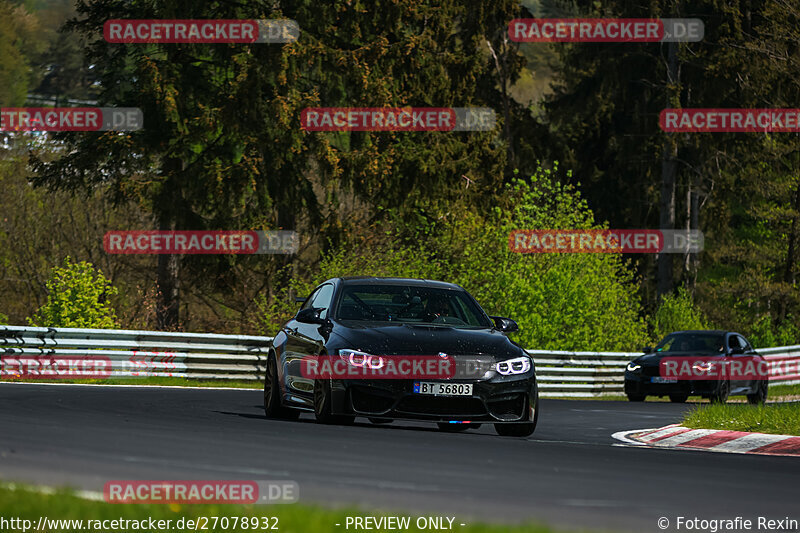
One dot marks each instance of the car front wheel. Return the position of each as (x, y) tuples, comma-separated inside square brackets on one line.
[(760, 396), (323, 405), (722, 393), (272, 394)]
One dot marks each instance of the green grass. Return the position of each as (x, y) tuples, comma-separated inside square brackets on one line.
[(162, 381), (784, 390), (23, 503), (781, 419)]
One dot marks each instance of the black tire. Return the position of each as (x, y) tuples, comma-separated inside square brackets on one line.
[(678, 398), (322, 405), (380, 420), (760, 396), (273, 408), (636, 397), (722, 392)]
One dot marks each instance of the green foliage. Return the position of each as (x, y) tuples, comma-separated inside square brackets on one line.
[(3, 319), (676, 312), (561, 301), (77, 298), (764, 333), (20, 42)]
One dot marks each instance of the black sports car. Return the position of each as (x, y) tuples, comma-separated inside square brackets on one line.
[(377, 325), (712, 364)]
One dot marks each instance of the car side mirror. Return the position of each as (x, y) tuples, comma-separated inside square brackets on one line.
[(647, 349), (310, 315), (506, 325)]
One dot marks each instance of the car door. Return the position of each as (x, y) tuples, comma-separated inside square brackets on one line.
[(305, 340), (736, 353), (752, 355)]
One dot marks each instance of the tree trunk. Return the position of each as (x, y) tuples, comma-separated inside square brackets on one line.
[(668, 173), (167, 310), (168, 271)]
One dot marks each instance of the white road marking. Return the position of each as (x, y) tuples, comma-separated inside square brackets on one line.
[(683, 437), (662, 433), (748, 442)]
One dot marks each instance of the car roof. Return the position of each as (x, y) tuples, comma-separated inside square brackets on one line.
[(720, 331), (373, 280)]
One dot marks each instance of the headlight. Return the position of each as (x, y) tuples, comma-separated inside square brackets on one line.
[(633, 367), (702, 367), (518, 365), (361, 359)]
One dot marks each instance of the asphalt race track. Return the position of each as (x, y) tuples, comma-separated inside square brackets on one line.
[(569, 473)]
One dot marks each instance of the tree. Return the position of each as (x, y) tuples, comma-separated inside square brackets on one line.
[(207, 160), (77, 298)]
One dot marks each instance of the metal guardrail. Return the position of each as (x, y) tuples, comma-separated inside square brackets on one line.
[(243, 357), (144, 353)]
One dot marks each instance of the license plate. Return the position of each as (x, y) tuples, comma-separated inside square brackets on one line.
[(443, 389), (659, 379)]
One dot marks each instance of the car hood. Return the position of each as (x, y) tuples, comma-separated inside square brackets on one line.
[(407, 339), (656, 357)]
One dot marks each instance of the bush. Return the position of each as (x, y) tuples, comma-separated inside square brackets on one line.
[(77, 298), (764, 334), (676, 313)]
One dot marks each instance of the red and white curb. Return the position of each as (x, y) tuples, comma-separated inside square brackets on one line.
[(715, 440)]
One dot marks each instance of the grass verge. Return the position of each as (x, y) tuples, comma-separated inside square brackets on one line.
[(25, 504), (780, 419)]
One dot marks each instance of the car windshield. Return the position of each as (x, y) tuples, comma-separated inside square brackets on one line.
[(702, 342), (411, 305)]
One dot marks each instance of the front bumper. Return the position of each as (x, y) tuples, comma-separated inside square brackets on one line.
[(500, 399), (641, 383)]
